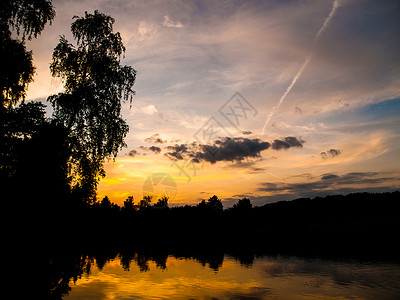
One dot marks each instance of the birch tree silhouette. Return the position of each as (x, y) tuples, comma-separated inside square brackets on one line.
[(95, 85)]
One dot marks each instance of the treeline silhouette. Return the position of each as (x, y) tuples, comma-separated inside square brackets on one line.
[(357, 224)]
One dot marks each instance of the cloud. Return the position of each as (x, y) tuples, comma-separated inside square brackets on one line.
[(233, 149), (329, 154), (223, 149), (132, 153), (155, 138), (177, 151), (169, 23), (149, 109), (236, 149), (329, 182), (329, 176), (247, 132), (249, 165), (287, 143), (154, 149)]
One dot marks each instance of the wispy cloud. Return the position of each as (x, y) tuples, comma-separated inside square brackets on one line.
[(155, 138), (335, 5), (169, 23)]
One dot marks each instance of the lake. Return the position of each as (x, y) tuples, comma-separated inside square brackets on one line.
[(222, 276)]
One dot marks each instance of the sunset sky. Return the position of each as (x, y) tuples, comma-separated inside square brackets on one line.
[(270, 100)]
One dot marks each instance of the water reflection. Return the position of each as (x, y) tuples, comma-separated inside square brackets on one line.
[(146, 275)]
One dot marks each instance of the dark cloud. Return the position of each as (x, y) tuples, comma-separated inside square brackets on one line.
[(155, 149), (330, 153), (235, 150), (241, 164), (152, 149), (303, 175), (247, 132), (328, 181), (247, 164), (178, 152), (155, 138), (287, 143), (174, 155), (328, 176), (223, 149), (272, 187), (132, 153)]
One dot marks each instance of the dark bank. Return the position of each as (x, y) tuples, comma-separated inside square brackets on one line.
[(357, 225)]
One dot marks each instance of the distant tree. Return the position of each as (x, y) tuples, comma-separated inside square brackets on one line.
[(243, 204), (109, 207), (202, 204), (95, 83), (213, 203), (145, 202), (27, 18), (129, 204), (105, 203), (162, 202)]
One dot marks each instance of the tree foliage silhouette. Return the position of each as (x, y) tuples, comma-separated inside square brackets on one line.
[(95, 83), (27, 18), (129, 204), (17, 126), (145, 203), (162, 202), (243, 204), (213, 204)]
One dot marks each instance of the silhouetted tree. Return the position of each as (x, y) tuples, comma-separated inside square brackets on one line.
[(215, 203), (95, 82), (17, 125), (145, 202), (129, 204), (28, 18), (26, 138), (105, 203), (162, 202), (243, 205)]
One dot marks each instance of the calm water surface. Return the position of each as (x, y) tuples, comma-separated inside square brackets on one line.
[(266, 277)]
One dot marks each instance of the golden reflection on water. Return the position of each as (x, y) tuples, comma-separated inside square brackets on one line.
[(266, 278)]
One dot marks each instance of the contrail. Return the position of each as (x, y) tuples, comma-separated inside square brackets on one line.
[(335, 5)]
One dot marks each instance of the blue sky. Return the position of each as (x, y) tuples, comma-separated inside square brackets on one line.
[(192, 56)]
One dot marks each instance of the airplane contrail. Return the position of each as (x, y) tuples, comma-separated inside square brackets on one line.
[(335, 5)]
